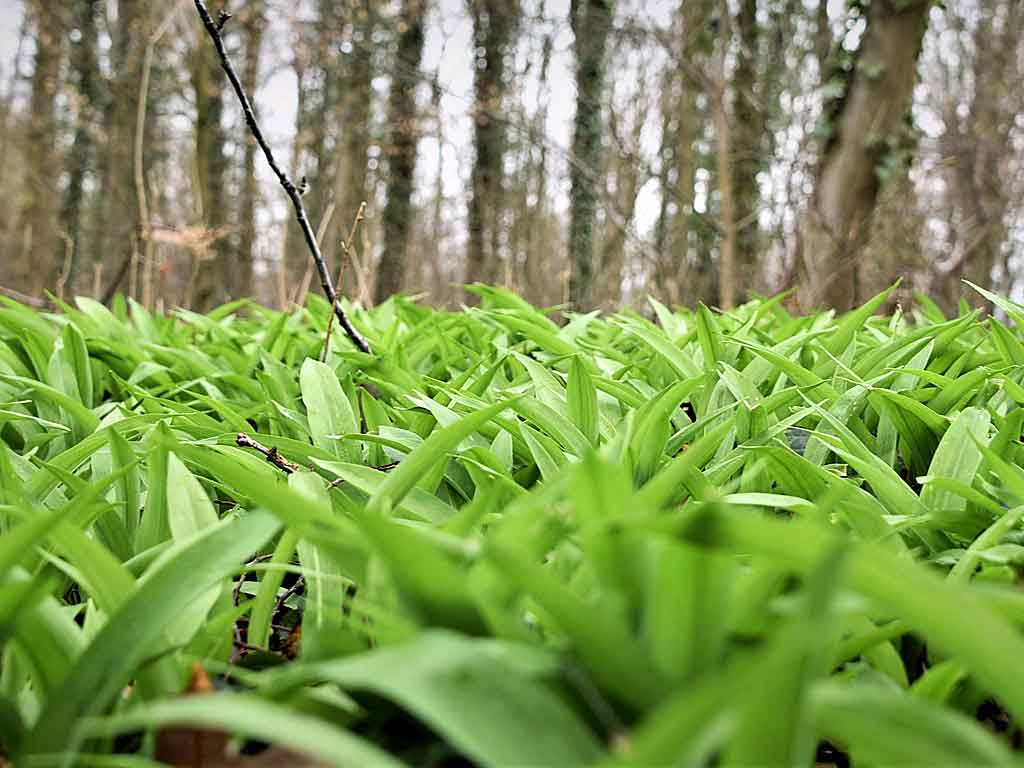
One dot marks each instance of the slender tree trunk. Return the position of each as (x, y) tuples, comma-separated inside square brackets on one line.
[(293, 249), (591, 22), (436, 280), (865, 125), (494, 28), (978, 145), (727, 285), (533, 279), (254, 25), (353, 187), (326, 128), (727, 273), (215, 283), (682, 118), (613, 251), (747, 149), (85, 67), (822, 40), (117, 204), (39, 223), (401, 149)]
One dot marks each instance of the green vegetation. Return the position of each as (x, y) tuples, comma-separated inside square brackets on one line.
[(748, 537)]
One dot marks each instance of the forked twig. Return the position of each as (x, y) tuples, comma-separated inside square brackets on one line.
[(214, 28), (346, 255), (272, 455)]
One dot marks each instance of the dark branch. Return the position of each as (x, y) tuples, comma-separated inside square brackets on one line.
[(242, 440), (214, 29)]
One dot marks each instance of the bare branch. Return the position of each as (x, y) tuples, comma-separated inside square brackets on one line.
[(214, 30), (24, 298)]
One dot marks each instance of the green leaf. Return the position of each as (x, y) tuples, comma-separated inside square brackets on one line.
[(189, 509), (435, 448), (486, 698), (113, 656), (884, 727), (322, 627), (247, 715), (329, 411), (581, 395), (959, 458)]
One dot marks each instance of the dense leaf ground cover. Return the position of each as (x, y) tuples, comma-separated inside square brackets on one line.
[(743, 538)]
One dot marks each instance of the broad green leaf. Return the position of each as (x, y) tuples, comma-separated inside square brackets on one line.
[(581, 394), (329, 412)]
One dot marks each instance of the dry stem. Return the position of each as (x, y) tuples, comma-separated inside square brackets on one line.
[(346, 255)]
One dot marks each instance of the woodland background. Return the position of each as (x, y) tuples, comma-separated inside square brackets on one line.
[(587, 152)]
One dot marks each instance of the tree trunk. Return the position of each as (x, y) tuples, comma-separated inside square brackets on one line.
[(613, 251), (682, 118), (117, 205), (401, 148), (253, 28), (39, 224), (357, 121), (534, 281), (591, 22), (215, 283), (293, 249), (494, 28), (727, 283), (747, 149), (866, 124), (85, 67), (978, 144), (325, 131)]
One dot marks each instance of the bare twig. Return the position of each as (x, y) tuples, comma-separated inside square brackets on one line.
[(298, 584), (214, 30), (243, 440), (346, 246)]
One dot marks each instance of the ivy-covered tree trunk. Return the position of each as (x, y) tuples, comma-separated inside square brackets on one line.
[(591, 22), (494, 28), (401, 149), (866, 126)]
